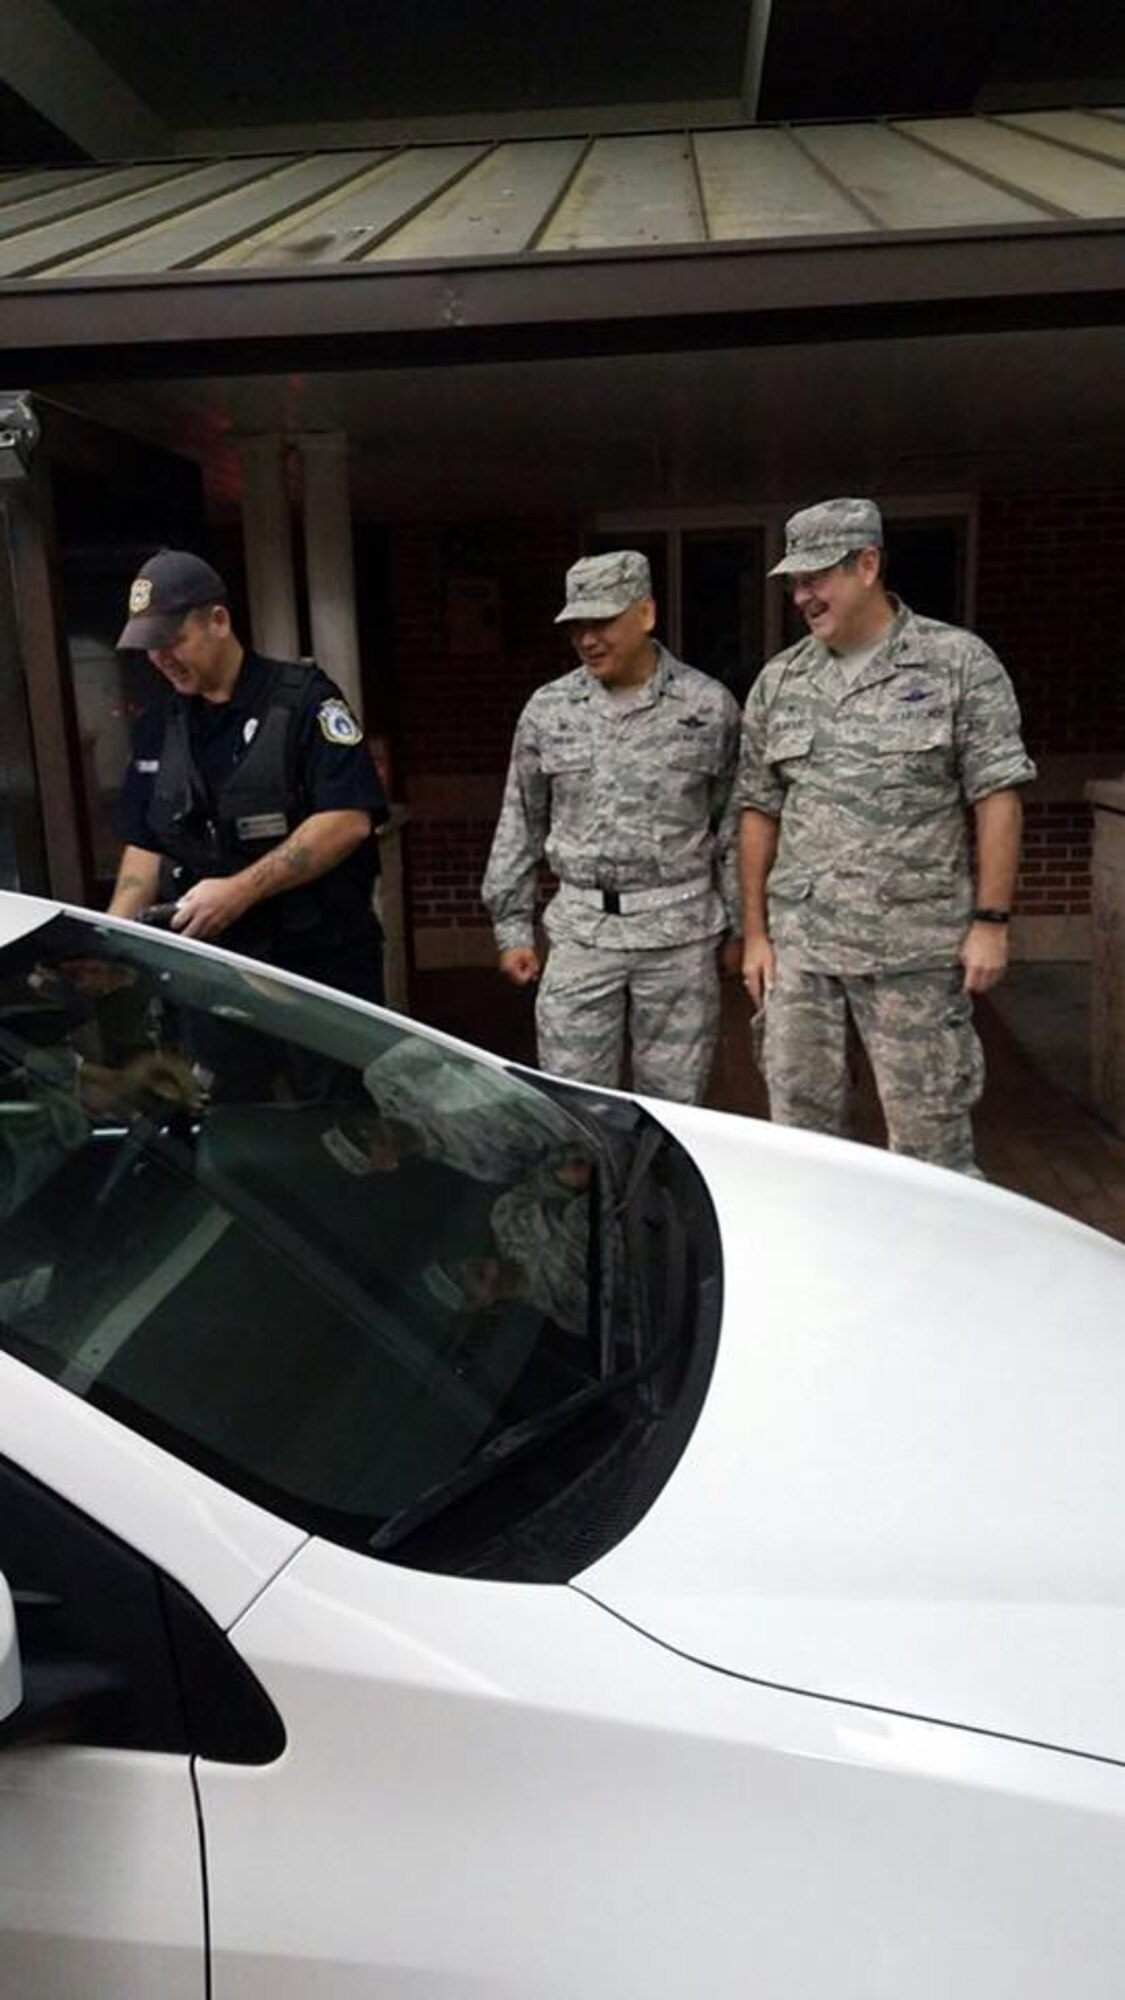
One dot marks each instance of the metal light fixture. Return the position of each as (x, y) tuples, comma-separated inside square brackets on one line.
[(19, 435)]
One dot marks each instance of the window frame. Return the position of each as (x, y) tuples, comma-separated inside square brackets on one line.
[(769, 518)]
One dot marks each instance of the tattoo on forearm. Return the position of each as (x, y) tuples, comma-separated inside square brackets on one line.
[(127, 883), (287, 864), (293, 855), (320, 843)]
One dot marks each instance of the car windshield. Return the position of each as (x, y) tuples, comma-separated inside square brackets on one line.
[(426, 1305)]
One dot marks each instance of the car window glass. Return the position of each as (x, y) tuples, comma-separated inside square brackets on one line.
[(350, 1269)]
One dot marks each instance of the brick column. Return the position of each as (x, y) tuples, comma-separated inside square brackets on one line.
[(1107, 796)]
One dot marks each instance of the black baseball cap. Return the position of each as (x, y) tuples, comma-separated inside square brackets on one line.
[(169, 584)]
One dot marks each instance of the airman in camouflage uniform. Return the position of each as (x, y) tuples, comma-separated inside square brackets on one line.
[(435, 1103), (538, 1252), (542, 1230), (862, 747), (621, 777)]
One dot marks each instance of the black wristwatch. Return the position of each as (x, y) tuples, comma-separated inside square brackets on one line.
[(991, 916)]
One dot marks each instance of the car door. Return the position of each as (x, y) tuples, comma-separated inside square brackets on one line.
[(278, 1272), (124, 1566), (100, 1854)]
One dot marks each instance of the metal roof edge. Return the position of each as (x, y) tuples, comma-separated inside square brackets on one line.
[(1047, 229), (702, 293)]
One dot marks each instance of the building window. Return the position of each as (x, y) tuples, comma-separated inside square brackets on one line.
[(716, 605), (721, 577), (708, 587)]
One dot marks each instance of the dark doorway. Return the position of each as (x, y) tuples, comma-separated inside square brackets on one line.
[(114, 503), (926, 566), (721, 604)]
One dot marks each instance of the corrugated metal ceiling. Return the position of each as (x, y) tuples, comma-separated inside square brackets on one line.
[(536, 198)]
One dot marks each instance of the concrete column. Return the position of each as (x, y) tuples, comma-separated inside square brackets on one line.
[(36, 624), (330, 575), (268, 538), (1107, 796), (330, 561), (23, 852)]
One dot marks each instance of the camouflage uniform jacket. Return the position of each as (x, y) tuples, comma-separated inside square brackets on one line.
[(631, 796), (543, 1229), (492, 1128), (870, 783)]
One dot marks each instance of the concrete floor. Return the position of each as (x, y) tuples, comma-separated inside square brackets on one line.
[(1047, 1009), (1036, 1131)]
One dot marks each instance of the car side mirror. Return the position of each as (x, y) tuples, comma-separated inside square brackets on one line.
[(11, 1676)]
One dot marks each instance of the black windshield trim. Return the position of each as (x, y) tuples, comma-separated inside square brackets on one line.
[(501, 1451)]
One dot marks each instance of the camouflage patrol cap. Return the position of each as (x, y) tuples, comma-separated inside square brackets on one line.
[(603, 586), (820, 536)]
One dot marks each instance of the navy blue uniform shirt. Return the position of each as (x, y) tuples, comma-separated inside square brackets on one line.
[(332, 775), (327, 929)]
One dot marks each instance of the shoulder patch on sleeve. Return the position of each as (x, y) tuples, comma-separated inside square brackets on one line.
[(336, 722)]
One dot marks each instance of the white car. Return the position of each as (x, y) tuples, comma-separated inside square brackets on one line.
[(468, 1536)]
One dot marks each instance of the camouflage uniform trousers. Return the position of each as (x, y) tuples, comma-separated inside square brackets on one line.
[(917, 1029), (669, 996)]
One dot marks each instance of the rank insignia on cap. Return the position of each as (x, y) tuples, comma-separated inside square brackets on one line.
[(337, 723), (140, 596)]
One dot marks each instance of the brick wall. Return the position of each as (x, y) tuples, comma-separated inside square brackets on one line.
[(459, 695), (447, 859), (1055, 870), (1048, 600), (457, 708)]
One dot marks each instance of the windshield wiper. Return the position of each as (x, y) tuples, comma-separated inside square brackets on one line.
[(501, 1452)]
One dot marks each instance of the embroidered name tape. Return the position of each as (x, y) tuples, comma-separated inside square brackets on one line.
[(262, 826)]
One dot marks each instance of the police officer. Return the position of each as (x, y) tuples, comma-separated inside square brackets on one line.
[(864, 747), (251, 801), (621, 777)]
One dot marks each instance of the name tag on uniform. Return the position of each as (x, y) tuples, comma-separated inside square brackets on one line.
[(262, 826)]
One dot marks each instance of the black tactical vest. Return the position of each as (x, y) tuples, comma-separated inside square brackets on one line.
[(203, 833)]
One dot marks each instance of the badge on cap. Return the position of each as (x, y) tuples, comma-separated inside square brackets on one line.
[(140, 596), (337, 723)]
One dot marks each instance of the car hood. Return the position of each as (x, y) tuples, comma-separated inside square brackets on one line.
[(907, 1485)]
